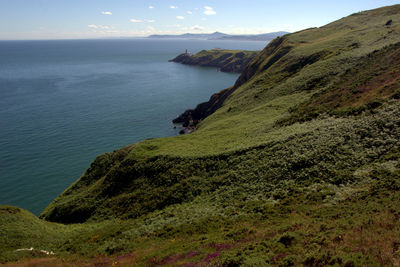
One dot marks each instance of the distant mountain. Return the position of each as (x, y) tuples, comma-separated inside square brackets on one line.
[(211, 36), (256, 37), (222, 36)]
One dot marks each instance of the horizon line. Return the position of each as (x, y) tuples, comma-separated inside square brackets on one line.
[(146, 36)]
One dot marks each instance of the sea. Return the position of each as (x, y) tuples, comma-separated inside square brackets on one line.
[(64, 102)]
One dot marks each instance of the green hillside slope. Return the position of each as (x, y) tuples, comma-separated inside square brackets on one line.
[(156, 173), (300, 165)]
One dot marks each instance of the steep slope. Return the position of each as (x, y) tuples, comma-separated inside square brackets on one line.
[(192, 117), (225, 60), (299, 165), (154, 174), (338, 43), (364, 87)]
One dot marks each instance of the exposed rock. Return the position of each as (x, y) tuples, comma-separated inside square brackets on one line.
[(275, 50), (225, 60), (191, 117)]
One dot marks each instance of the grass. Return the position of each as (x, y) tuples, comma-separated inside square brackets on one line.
[(280, 175), (266, 87), (311, 227), (218, 53), (365, 87)]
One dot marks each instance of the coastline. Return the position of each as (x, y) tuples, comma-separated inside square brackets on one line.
[(234, 61)]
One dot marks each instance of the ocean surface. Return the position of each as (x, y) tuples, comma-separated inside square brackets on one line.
[(62, 103)]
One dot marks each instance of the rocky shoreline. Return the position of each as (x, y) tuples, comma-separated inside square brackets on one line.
[(226, 61), (191, 117)]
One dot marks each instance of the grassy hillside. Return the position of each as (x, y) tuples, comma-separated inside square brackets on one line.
[(367, 86), (300, 165), (225, 60)]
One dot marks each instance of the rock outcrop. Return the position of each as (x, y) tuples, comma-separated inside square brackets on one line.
[(225, 60)]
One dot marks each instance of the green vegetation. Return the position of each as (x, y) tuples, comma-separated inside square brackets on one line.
[(315, 226), (300, 166), (363, 88), (225, 60)]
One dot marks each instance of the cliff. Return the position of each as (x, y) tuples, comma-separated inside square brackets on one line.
[(191, 117), (225, 60), (297, 164), (290, 72)]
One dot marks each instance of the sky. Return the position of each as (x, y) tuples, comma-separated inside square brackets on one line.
[(77, 19)]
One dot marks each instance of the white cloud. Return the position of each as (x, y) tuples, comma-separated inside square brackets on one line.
[(142, 20), (151, 7), (136, 20), (106, 13), (104, 27), (173, 7), (189, 12), (209, 11), (180, 17), (197, 28)]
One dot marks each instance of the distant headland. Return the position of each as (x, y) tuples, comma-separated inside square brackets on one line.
[(225, 60), (222, 36)]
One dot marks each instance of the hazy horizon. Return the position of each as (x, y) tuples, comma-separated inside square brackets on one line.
[(50, 20), (133, 37)]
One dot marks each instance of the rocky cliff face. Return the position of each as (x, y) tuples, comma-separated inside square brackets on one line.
[(191, 117), (225, 60)]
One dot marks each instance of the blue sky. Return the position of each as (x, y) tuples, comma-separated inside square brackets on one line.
[(65, 19)]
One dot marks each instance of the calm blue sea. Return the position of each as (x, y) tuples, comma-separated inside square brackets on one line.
[(62, 103)]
